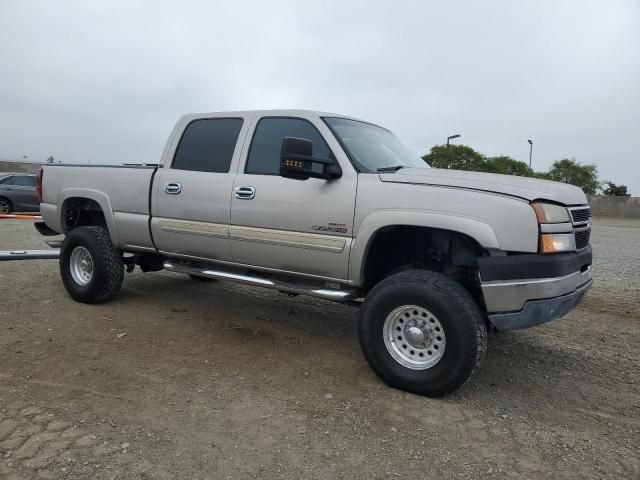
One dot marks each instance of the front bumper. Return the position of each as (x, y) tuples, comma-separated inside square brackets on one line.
[(536, 312), (519, 291)]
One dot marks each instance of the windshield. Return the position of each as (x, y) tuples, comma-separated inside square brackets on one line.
[(372, 148)]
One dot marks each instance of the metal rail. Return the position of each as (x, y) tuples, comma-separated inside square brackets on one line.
[(7, 255), (335, 295)]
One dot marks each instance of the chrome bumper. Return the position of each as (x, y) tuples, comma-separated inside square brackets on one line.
[(511, 295), (526, 303), (536, 312)]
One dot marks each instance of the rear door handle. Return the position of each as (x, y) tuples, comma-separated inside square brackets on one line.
[(173, 188), (244, 193)]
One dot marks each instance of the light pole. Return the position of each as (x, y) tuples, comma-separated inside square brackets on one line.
[(530, 151), (451, 137)]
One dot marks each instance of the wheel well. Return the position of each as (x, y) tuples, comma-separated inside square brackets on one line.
[(401, 247), (82, 212)]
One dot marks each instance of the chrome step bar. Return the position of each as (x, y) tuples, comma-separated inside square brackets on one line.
[(335, 295), (29, 255)]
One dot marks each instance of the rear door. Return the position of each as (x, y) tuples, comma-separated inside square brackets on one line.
[(192, 196), (302, 226), (23, 193)]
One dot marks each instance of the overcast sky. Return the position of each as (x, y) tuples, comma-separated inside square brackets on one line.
[(105, 81)]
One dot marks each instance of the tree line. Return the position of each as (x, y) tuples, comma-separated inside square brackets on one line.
[(462, 157)]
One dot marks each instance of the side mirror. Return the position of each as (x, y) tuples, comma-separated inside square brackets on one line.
[(297, 160)]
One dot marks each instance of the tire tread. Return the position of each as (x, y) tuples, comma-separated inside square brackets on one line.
[(112, 265), (445, 285)]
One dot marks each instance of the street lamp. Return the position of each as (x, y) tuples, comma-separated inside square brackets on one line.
[(530, 151), (451, 137)]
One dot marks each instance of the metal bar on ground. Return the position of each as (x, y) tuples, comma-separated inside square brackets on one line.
[(29, 255), (25, 217)]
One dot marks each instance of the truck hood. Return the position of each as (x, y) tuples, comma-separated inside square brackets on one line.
[(522, 187)]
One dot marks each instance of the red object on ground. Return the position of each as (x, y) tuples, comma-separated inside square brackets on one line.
[(24, 216)]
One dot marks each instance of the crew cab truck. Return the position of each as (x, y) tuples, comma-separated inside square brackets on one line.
[(337, 208)]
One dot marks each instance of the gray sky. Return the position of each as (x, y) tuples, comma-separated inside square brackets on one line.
[(105, 81)]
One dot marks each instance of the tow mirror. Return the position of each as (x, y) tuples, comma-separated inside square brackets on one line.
[(297, 161)]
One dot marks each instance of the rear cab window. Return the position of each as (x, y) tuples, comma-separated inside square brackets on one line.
[(207, 145), (264, 152)]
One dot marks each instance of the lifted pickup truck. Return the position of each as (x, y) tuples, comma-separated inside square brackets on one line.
[(337, 208)]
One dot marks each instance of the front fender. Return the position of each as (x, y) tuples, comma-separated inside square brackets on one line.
[(479, 231)]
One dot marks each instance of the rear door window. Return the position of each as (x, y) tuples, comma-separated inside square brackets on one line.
[(207, 145), (24, 180)]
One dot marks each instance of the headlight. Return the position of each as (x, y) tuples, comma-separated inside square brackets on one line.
[(551, 213), (557, 242)]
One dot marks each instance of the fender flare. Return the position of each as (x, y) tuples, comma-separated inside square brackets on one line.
[(97, 196), (476, 229)]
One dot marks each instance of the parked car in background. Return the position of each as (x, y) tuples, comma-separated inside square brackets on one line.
[(18, 193)]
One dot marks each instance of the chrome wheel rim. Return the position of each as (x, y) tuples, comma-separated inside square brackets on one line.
[(414, 337), (81, 265), (4, 207)]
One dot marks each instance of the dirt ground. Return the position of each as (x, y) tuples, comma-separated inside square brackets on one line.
[(177, 379)]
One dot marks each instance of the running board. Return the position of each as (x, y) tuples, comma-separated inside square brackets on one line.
[(29, 255), (335, 295)]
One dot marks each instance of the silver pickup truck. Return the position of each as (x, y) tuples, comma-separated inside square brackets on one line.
[(337, 208)]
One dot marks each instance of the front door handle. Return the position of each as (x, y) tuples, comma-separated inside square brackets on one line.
[(244, 193), (173, 188)]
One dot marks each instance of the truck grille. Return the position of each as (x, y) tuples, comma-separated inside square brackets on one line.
[(580, 215), (581, 219), (582, 237)]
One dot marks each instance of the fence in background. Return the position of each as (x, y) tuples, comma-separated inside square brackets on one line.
[(615, 207)]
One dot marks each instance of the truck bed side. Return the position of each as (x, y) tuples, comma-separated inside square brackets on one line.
[(120, 192)]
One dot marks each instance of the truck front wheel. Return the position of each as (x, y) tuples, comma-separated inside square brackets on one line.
[(422, 332), (91, 267)]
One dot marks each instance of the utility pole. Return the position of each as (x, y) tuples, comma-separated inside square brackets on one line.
[(530, 151), (451, 137)]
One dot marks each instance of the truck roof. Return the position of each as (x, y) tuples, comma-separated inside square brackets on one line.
[(276, 112)]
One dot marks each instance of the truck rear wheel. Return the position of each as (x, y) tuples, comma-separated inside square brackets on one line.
[(422, 332), (91, 267)]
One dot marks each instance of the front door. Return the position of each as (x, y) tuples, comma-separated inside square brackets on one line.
[(193, 191), (292, 225)]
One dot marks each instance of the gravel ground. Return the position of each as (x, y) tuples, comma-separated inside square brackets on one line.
[(180, 379)]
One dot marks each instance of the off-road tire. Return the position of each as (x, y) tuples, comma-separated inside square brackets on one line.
[(108, 266), (455, 309)]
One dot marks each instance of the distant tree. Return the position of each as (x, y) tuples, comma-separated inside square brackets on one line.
[(50, 159), (575, 173), (456, 157), (616, 190), (507, 166)]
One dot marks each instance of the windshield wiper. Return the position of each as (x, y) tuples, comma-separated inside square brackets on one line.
[(390, 169)]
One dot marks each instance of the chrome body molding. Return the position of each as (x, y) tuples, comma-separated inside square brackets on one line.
[(285, 238), (511, 296), (194, 228), (336, 295)]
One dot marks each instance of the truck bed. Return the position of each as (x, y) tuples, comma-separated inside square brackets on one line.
[(122, 191)]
